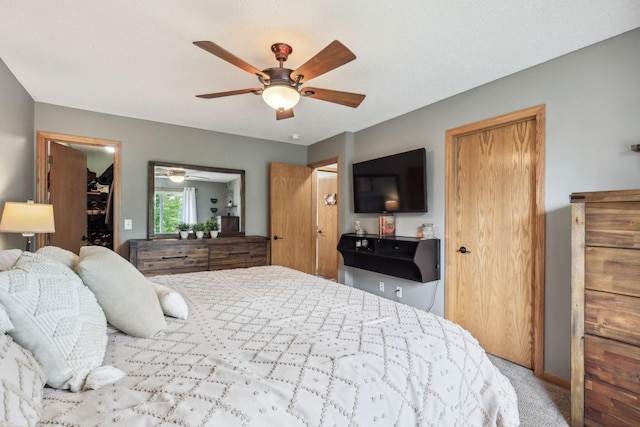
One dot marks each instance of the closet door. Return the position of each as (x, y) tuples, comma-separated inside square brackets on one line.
[(68, 195)]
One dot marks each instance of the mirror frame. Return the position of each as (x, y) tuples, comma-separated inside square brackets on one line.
[(151, 190)]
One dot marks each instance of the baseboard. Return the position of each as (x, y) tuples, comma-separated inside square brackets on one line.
[(557, 380)]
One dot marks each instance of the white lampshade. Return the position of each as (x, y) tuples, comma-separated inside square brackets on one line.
[(280, 97), (27, 218)]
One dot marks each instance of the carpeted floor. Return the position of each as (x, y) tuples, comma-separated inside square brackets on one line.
[(540, 403)]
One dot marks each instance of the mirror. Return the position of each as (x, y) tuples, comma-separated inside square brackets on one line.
[(188, 193)]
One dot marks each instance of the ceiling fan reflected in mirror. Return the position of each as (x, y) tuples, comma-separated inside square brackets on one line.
[(282, 87), (175, 175)]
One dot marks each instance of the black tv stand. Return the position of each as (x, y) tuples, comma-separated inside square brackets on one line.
[(406, 257)]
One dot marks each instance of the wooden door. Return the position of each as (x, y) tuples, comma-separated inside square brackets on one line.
[(327, 226), (290, 217), (495, 234), (68, 195)]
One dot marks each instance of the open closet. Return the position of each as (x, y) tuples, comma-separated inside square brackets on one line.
[(79, 176)]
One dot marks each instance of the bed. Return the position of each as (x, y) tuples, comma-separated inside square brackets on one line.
[(271, 346)]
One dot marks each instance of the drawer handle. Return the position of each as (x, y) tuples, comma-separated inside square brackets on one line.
[(238, 253), (175, 257)]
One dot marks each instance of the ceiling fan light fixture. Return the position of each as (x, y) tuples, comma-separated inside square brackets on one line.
[(280, 97), (177, 176)]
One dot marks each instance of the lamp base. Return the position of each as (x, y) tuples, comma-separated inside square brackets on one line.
[(28, 236)]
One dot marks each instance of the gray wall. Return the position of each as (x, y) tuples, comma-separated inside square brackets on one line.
[(145, 140), (592, 100), (17, 156)]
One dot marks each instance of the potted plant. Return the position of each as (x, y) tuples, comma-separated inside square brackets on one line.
[(199, 228), (183, 229), (213, 227)]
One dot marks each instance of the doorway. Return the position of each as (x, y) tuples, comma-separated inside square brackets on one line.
[(495, 234), (304, 225), (71, 211), (325, 179)]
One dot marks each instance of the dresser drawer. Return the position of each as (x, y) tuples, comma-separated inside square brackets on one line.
[(238, 255), (612, 316), (172, 259), (610, 406), (612, 270), (613, 224), (612, 362)]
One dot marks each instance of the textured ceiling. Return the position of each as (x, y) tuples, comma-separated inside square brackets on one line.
[(136, 58)]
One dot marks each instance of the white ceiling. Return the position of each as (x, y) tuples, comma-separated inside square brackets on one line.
[(136, 58)]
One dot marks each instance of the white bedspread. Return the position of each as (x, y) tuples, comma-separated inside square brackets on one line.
[(269, 346)]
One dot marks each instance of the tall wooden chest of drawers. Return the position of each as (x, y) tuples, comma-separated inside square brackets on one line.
[(605, 315), (172, 256)]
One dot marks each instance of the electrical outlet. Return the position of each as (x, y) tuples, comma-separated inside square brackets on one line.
[(399, 291), (381, 286), (128, 224)]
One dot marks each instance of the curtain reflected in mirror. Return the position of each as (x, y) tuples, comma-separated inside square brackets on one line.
[(194, 194)]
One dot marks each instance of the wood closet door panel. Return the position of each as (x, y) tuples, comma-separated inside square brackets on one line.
[(613, 224), (612, 270)]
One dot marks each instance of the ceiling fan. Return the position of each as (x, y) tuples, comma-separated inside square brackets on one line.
[(175, 175), (281, 87)]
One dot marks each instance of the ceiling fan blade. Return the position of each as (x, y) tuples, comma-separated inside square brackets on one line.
[(225, 55), (284, 114), (329, 58), (255, 90), (343, 98)]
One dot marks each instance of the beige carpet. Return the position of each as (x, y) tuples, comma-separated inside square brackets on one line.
[(540, 403)]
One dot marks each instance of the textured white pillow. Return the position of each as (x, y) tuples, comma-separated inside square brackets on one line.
[(126, 296), (21, 385), (8, 257), (64, 256), (5, 321), (171, 301), (55, 317)]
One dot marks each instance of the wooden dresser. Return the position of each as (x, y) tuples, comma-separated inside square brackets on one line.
[(172, 256), (605, 315)]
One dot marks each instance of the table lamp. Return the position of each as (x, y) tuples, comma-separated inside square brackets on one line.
[(27, 218)]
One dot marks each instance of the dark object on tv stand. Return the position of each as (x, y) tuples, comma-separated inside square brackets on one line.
[(405, 257)]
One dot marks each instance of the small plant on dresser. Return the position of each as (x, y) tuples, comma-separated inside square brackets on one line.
[(183, 229), (199, 228), (213, 227)]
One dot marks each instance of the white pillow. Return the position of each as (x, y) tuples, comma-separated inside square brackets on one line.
[(21, 384), (126, 296), (5, 321), (172, 303), (64, 256), (55, 317), (8, 257)]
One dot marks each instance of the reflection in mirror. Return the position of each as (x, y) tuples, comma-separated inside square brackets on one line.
[(194, 194)]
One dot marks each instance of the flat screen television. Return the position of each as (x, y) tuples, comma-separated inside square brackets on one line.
[(391, 184)]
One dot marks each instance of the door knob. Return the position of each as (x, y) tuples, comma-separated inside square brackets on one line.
[(463, 250), (276, 238)]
